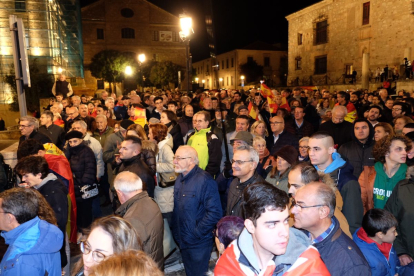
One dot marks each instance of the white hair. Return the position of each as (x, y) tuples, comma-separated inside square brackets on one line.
[(304, 139), (102, 116), (191, 152), (108, 99), (252, 152), (32, 121), (77, 97), (258, 139), (81, 123), (127, 182), (340, 108)]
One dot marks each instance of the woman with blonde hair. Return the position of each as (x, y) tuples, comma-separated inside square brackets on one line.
[(108, 235), (128, 263), (259, 129), (265, 159)]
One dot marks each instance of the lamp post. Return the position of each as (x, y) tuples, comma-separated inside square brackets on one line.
[(141, 59), (242, 80), (221, 82), (203, 81), (196, 80), (186, 30)]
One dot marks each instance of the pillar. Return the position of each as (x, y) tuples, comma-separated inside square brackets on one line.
[(365, 71)]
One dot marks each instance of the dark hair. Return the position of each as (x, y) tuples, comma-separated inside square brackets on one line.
[(378, 220), (375, 106), (21, 203), (171, 116), (104, 107), (206, 115), (404, 107), (243, 117), (228, 229), (308, 173), (48, 113), (158, 98), (29, 147), (159, 131), (382, 147), (133, 139), (344, 95), (238, 93), (262, 196), (32, 164), (172, 102), (214, 99), (288, 90)]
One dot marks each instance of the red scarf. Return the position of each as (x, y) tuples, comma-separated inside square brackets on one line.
[(385, 247)]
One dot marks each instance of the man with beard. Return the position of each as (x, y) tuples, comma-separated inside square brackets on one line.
[(374, 113)]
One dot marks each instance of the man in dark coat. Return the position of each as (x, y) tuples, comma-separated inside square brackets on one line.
[(196, 211), (28, 128), (129, 159), (299, 126), (313, 209), (340, 130), (48, 128), (62, 87), (279, 138)]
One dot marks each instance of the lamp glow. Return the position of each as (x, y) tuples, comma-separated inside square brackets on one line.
[(141, 58), (128, 70)]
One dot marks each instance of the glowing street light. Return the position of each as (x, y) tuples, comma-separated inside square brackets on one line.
[(242, 80), (60, 70), (141, 58), (186, 25), (221, 81), (186, 30), (128, 70), (196, 79)]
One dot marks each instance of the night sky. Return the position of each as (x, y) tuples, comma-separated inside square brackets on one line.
[(237, 23)]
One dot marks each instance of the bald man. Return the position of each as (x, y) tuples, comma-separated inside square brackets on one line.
[(325, 159), (197, 210), (313, 209), (340, 130)]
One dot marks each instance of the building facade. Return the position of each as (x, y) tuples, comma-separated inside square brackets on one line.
[(53, 38), (138, 27), (225, 72), (331, 39)]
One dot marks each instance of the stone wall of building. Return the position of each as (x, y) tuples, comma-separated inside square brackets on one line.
[(387, 38)]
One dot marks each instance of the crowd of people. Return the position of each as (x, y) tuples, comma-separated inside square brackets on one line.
[(291, 182)]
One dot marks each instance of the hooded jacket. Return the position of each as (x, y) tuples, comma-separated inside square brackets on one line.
[(240, 258), (357, 153), (33, 249), (186, 124), (347, 184), (148, 151)]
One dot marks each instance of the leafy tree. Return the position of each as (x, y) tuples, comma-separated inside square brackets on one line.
[(144, 72), (163, 73), (41, 87), (252, 71)]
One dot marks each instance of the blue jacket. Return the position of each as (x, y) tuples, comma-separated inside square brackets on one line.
[(33, 249), (197, 208), (380, 266), (341, 255)]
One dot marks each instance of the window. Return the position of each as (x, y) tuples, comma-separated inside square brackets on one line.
[(155, 57), (227, 81), (232, 62), (298, 63), (365, 13), (227, 63), (249, 59), (348, 69), (155, 36), (100, 84), (300, 39), (128, 33), (176, 37), (100, 34), (127, 13), (20, 5), (266, 61), (320, 65), (232, 80), (322, 32)]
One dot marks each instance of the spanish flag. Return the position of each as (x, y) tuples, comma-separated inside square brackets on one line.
[(285, 104), (272, 105), (139, 117), (266, 91), (252, 111)]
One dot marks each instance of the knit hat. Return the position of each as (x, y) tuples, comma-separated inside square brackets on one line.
[(126, 123), (244, 136), (289, 153), (242, 107), (73, 134)]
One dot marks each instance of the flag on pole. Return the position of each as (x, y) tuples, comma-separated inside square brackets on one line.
[(285, 104), (272, 105), (266, 91), (252, 111)]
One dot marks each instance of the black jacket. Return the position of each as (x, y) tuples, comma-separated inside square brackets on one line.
[(83, 165), (56, 134), (177, 137), (138, 166), (341, 133), (234, 197), (341, 255), (186, 124), (312, 116), (37, 136), (285, 138), (358, 154)]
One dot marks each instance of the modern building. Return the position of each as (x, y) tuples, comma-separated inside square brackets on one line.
[(225, 73), (138, 27), (333, 38), (53, 37)]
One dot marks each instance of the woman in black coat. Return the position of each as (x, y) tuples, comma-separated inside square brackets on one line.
[(186, 122), (169, 119), (83, 165)]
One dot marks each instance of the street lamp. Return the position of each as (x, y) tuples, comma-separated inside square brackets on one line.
[(203, 81), (242, 80), (196, 80), (220, 81), (60, 70), (186, 29), (141, 58), (128, 71)]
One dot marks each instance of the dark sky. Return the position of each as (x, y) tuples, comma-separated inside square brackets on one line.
[(237, 22)]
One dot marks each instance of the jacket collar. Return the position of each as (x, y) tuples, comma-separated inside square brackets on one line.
[(190, 173), (49, 177), (335, 233), (249, 181), (131, 160), (127, 204)]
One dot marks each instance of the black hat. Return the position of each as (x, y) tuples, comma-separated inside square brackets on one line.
[(73, 134), (126, 123)]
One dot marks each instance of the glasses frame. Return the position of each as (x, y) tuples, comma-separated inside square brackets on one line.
[(94, 252), (300, 207), (240, 162)]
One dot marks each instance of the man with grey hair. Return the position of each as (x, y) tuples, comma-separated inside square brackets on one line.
[(244, 164), (197, 210), (90, 121), (313, 209), (143, 213), (76, 101), (72, 114), (110, 104), (29, 130), (340, 130)]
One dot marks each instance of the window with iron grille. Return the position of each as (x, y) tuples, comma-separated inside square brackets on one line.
[(298, 63), (155, 36), (20, 5), (100, 34), (128, 33), (321, 65), (227, 63), (365, 13), (321, 32), (232, 62)]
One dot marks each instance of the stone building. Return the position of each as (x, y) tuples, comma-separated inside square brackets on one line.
[(137, 26), (226, 73), (332, 38)]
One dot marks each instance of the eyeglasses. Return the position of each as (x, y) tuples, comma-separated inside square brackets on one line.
[(304, 147), (300, 207), (96, 255), (396, 109), (275, 123), (180, 158), (239, 162)]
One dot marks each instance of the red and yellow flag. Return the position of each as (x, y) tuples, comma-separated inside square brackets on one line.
[(252, 111), (285, 104), (139, 117), (266, 91), (272, 105)]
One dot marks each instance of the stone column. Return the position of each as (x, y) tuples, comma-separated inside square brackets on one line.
[(365, 71), (407, 53)]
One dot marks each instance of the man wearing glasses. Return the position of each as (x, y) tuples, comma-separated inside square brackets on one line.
[(28, 128), (33, 243), (159, 107), (399, 109), (279, 137), (313, 209), (244, 163), (197, 210)]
